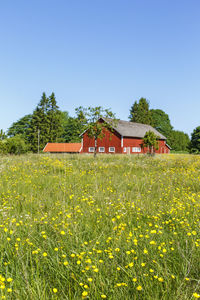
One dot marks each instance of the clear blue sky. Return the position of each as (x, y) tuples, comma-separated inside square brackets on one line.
[(101, 52)]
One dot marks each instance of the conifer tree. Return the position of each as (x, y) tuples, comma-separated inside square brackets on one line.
[(55, 119), (140, 112), (45, 123)]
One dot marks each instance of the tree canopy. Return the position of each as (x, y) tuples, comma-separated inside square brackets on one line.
[(21, 127), (178, 140), (46, 123), (140, 112), (195, 141), (150, 140), (161, 121)]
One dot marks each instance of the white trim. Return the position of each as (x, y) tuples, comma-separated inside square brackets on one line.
[(91, 151), (122, 141), (124, 150), (101, 148), (45, 147), (136, 149), (110, 150)]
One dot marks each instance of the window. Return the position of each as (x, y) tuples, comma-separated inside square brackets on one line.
[(91, 149), (101, 149), (111, 149), (125, 149), (136, 149)]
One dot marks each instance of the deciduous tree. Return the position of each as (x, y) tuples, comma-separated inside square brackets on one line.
[(195, 141), (150, 140), (96, 129)]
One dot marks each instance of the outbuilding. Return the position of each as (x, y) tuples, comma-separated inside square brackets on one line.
[(62, 148)]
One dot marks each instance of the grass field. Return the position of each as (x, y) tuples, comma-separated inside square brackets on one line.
[(114, 227)]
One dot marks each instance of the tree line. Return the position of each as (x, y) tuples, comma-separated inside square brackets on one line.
[(48, 123)]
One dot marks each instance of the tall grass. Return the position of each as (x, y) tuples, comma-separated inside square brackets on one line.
[(114, 227)]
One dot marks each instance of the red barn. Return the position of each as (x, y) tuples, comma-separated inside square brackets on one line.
[(126, 137)]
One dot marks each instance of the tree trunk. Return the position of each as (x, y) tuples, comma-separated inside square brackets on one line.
[(95, 147)]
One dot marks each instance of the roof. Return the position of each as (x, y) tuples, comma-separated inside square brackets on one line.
[(131, 129), (62, 147)]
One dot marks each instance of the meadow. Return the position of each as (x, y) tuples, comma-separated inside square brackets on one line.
[(114, 227)]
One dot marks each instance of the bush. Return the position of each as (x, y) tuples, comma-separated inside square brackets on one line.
[(15, 145)]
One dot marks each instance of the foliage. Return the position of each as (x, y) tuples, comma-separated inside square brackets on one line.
[(2, 135), (161, 122), (195, 141), (179, 140), (46, 123), (15, 145), (73, 127), (140, 112), (120, 227), (96, 129), (150, 140), (21, 127)]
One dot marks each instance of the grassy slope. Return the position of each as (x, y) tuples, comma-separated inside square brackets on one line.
[(101, 223)]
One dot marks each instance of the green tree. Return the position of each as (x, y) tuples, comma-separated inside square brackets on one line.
[(2, 135), (16, 145), (21, 127), (54, 116), (140, 112), (194, 146), (161, 121), (96, 129), (178, 140), (72, 127), (46, 123), (150, 140)]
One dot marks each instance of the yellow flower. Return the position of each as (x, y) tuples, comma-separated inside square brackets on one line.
[(96, 270), (84, 294), (90, 279), (195, 295), (44, 254), (139, 288), (62, 232), (134, 279), (55, 290), (65, 263), (9, 279), (103, 296), (9, 290)]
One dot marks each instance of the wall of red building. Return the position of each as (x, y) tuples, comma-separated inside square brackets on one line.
[(114, 140), (110, 139), (136, 142)]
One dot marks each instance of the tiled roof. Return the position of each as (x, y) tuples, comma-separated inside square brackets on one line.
[(131, 129), (62, 147)]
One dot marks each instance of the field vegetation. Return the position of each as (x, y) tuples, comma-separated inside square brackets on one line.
[(114, 227)]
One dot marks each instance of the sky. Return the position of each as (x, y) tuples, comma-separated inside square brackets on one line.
[(105, 53)]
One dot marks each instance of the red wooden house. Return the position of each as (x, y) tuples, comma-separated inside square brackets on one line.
[(126, 137)]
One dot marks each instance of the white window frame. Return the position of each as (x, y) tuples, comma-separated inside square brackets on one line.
[(101, 149), (91, 149), (136, 149), (112, 151), (124, 150)]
